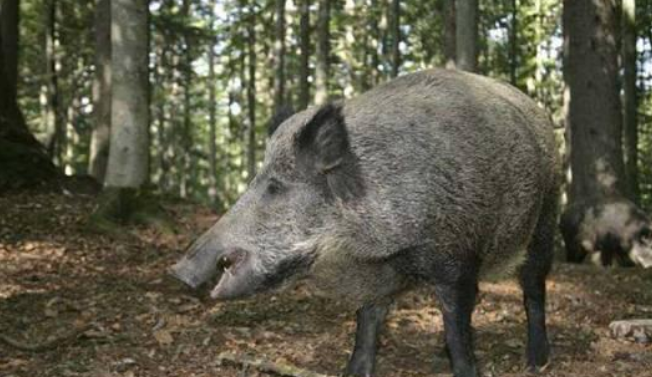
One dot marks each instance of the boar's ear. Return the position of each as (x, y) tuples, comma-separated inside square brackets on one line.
[(323, 148), (281, 115)]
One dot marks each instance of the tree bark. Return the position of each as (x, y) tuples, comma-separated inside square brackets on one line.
[(251, 94), (9, 20), (594, 110), (323, 52), (129, 155), (279, 56), (466, 34), (396, 37), (448, 33), (630, 124), (304, 43), (99, 153)]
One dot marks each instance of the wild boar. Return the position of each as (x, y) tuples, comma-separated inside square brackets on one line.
[(607, 229), (438, 177)]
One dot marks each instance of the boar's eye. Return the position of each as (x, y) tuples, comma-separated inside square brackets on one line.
[(274, 187)]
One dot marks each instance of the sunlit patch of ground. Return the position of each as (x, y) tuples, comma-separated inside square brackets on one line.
[(56, 276)]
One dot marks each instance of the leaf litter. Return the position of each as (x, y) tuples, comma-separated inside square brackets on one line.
[(128, 319)]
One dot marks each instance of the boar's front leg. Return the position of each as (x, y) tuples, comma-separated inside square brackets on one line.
[(370, 320), (457, 300)]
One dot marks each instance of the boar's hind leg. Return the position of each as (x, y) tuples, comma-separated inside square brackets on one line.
[(457, 300), (574, 252), (370, 320), (533, 276)]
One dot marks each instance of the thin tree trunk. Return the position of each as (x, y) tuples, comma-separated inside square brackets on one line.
[(629, 99), (251, 95), (594, 109), (364, 34), (72, 138), (162, 121), (448, 33), (128, 156), (241, 132), (9, 20), (54, 122), (186, 137), (466, 34), (304, 43), (513, 44), (99, 153), (384, 36), (347, 46), (279, 56), (323, 52), (212, 99), (375, 35), (396, 37)]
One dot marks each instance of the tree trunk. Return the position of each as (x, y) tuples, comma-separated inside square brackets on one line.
[(9, 20), (396, 36), (384, 37), (466, 34), (23, 161), (184, 163), (129, 155), (72, 137), (629, 99), (99, 153), (375, 35), (513, 44), (448, 33), (251, 95), (279, 56), (323, 52), (212, 99), (594, 110), (160, 77), (54, 123), (304, 43)]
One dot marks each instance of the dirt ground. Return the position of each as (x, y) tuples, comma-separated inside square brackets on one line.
[(102, 306)]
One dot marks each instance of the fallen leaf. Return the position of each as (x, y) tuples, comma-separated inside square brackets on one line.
[(163, 337)]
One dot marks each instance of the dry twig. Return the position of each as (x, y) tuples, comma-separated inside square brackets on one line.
[(45, 345), (282, 370)]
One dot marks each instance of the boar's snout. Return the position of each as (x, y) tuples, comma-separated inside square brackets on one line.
[(641, 254), (198, 266), (184, 272)]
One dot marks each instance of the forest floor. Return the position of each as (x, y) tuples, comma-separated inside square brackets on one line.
[(129, 319)]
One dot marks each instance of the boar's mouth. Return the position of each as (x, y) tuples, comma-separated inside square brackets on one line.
[(240, 278)]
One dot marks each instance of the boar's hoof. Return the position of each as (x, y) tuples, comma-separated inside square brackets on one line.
[(536, 369), (359, 367)]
